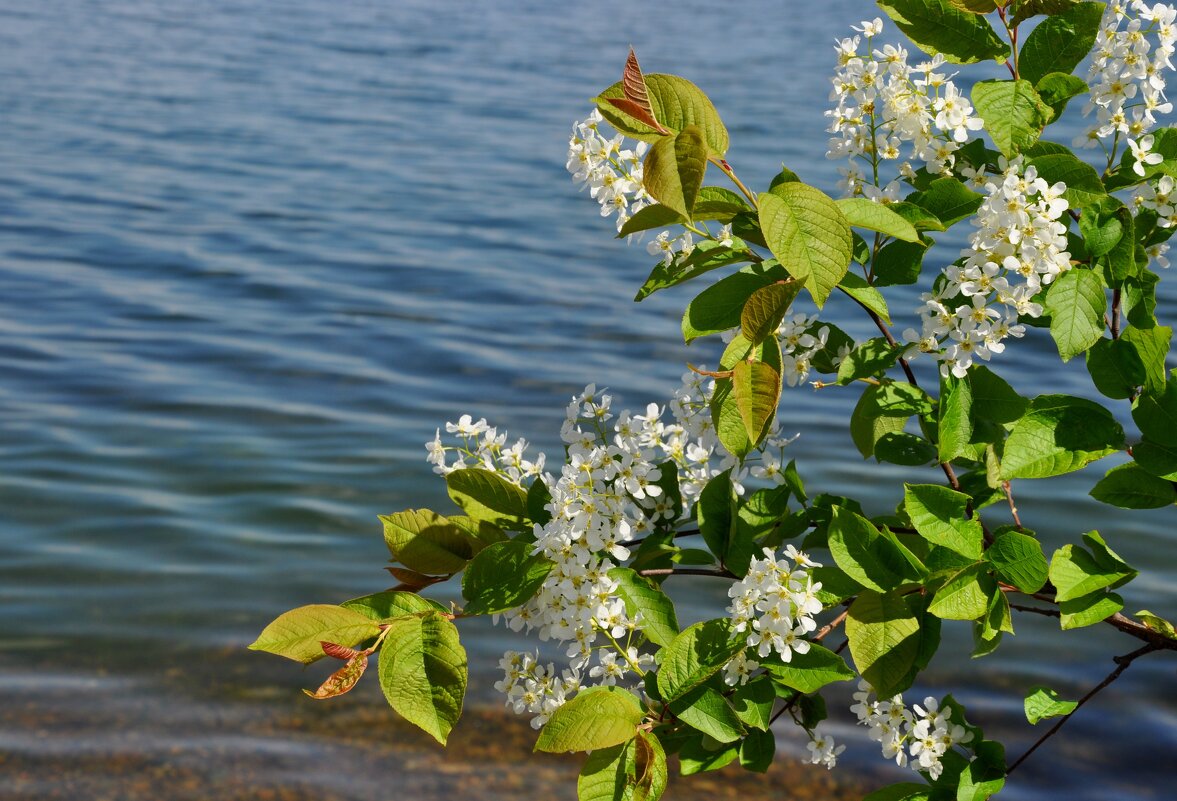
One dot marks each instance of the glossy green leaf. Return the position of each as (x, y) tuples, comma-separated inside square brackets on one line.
[(810, 671), (1043, 703), (965, 596), (869, 421), (423, 672), (949, 199), (807, 232), (956, 417), (694, 656), (1057, 89), (383, 606), (753, 702), (1057, 435), (1060, 42), (644, 597), (674, 169), (1130, 486), (899, 263), (863, 213), (299, 633), (993, 398), (766, 307), (864, 555), (503, 576), (935, 26), (489, 497), (940, 515), (1081, 179), (869, 358), (884, 637), (1115, 367), (757, 388), (596, 717), (1152, 347), (899, 447), (1018, 559), (1013, 112), (866, 295), (708, 711), (720, 307), (1076, 304)]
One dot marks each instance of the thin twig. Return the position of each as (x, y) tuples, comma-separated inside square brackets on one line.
[(687, 571), (1122, 663), (1013, 509)]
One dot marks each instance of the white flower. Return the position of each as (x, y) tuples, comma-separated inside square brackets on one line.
[(1141, 152), (823, 750)]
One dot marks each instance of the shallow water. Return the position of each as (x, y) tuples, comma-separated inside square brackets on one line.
[(252, 256)]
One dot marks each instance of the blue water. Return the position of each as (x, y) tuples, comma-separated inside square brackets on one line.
[(252, 255)]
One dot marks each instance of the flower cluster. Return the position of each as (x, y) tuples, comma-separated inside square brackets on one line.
[(482, 446), (883, 103), (607, 495), (1019, 247), (822, 749), (1126, 76), (612, 172), (916, 736), (775, 604), (799, 344), (534, 688)]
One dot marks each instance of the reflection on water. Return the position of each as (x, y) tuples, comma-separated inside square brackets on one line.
[(251, 257)]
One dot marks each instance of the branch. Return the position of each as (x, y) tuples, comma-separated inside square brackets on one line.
[(1122, 663), (1155, 640), (687, 571)]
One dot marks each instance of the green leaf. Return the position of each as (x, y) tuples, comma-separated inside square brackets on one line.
[(1115, 368), (1060, 42), (936, 27), (642, 596), (1043, 703), (1076, 304), (1026, 9), (956, 420), (608, 774), (857, 288), (940, 516), (1057, 89), (974, 6), (1155, 413), (694, 656), (757, 388), (920, 218), (676, 103), (905, 791), (1157, 624), (701, 753), (706, 710), (649, 217), (720, 307), (870, 358), (1081, 179), (984, 777), (766, 307), (806, 231), (864, 555), (719, 204), (809, 672), (899, 263), (716, 511), (597, 717), (298, 634), (503, 576), (757, 750), (1076, 572), (1102, 225), (884, 639), (1152, 346), (1159, 460), (1018, 560), (1014, 115), (900, 399), (383, 606), (863, 213), (753, 702), (1059, 434), (489, 497), (674, 169), (899, 447), (706, 256), (426, 542), (651, 776), (1130, 486), (1087, 610), (728, 422), (423, 672), (965, 596), (993, 398), (869, 422), (949, 199)]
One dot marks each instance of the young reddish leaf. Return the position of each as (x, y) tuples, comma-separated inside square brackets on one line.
[(338, 651), (636, 102), (411, 580), (341, 680)]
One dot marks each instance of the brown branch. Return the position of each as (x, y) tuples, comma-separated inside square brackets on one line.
[(1013, 509), (1122, 663), (1156, 640), (687, 571)]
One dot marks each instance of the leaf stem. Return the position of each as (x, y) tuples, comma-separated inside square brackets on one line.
[(730, 173)]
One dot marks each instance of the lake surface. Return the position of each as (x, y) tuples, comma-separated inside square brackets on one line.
[(252, 255)]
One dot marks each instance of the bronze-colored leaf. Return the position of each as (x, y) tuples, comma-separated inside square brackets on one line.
[(341, 680), (411, 580), (636, 102), (338, 651)]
